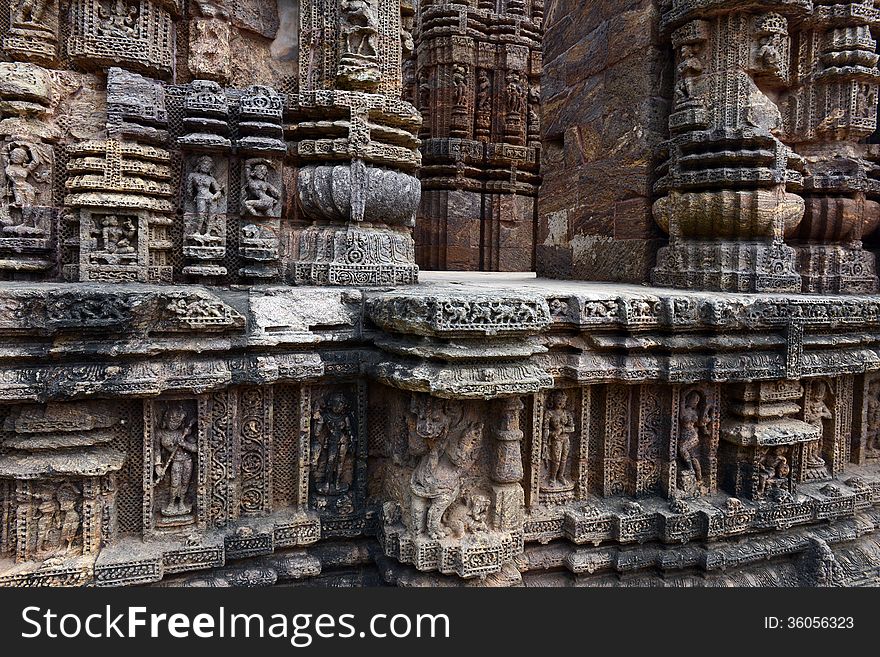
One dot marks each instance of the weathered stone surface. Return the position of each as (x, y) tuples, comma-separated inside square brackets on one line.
[(220, 368), (605, 103)]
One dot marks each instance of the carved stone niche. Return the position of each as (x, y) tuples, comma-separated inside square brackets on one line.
[(26, 212), (866, 416), (693, 445), (137, 34), (27, 165), (764, 439), (114, 246), (359, 67), (204, 221), (336, 457), (33, 31), (558, 466), (828, 407), (176, 463), (455, 501), (58, 481)]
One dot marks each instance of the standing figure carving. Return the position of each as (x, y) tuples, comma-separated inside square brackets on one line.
[(694, 420), (459, 84), (332, 440), (516, 95), (872, 443), (176, 434), (360, 28), (689, 69), (816, 411), (557, 430), (484, 91), (47, 521), (205, 192), (20, 173)]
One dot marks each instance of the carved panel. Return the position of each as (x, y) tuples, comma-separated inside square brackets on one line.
[(695, 432), (176, 463), (255, 421)]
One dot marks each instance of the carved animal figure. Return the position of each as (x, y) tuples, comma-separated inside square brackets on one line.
[(436, 481)]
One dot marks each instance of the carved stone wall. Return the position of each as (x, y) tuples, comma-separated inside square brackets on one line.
[(476, 80), (219, 368)]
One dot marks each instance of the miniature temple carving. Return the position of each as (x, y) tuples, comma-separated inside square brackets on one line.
[(33, 31), (206, 180)]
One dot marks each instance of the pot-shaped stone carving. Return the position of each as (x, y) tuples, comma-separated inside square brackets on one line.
[(356, 192), (729, 214)]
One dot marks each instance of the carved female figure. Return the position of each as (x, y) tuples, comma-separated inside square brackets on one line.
[(22, 162), (118, 20), (692, 423), (47, 522), (205, 191), (360, 27), (459, 83), (261, 194), (558, 427), (176, 437), (70, 519), (815, 412), (484, 91), (689, 68), (332, 439), (516, 95)]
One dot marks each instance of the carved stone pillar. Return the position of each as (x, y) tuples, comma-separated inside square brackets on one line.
[(479, 67), (206, 147), (831, 111), (354, 140), (507, 472), (727, 175), (27, 164)]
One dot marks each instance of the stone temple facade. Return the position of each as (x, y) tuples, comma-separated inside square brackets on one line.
[(221, 366)]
